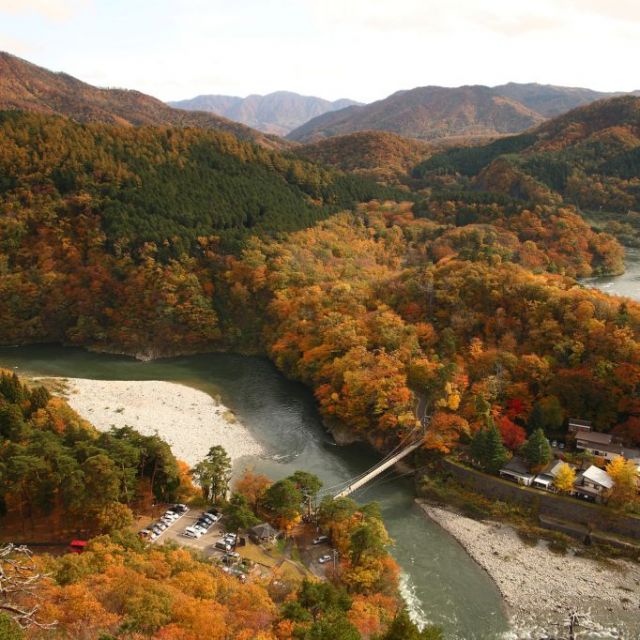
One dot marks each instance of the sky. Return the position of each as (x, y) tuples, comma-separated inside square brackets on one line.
[(358, 49)]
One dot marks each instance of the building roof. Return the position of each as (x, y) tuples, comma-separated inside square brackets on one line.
[(553, 467), (598, 476), (594, 437), (263, 530), (579, 425), (516, 465)]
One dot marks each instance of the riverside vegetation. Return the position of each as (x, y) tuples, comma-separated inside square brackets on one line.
[(58, 471)]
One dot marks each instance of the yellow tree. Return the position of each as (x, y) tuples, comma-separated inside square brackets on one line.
[(625, 476), (565, 478)]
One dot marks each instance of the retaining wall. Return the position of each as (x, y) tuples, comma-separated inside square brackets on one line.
[(591, 516)]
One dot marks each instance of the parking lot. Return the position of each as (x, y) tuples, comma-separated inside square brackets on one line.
[(175, 531)]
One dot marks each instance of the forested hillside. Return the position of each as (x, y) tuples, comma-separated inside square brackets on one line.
[(378, 154), (170, 186), (589, 157), (56, 468)]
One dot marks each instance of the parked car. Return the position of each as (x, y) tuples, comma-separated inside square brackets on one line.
[(192, 532), (321, 540), (224, 546), (179, 508), (214, 511), (325, 558)]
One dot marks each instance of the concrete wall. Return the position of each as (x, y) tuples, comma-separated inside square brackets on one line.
[(581, 513)]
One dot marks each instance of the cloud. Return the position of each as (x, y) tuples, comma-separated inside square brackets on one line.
[(622, 10), (13, 45), (49, 9), (506, 17), (511, 18)]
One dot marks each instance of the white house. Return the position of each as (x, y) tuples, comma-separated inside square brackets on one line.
[(593, 483)]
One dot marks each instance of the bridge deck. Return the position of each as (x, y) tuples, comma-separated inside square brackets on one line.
[(377, 470)]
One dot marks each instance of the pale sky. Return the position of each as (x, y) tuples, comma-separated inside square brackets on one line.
[(359, 49)]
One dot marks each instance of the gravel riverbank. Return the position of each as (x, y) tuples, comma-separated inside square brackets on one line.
[(541, 587), (190, 420)]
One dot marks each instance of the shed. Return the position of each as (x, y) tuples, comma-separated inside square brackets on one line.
[(263, 532)]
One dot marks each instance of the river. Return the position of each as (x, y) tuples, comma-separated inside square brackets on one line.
[(440, 581), (628, 284)]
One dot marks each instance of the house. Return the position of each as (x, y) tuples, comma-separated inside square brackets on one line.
[(263, 533), (576, 425), (544, 480), (516, 471), (604, 446), (593, 483)]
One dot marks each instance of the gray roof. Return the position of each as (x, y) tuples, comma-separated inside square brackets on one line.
[(593, 437), (516, 465), (263, 530), (598, 476)]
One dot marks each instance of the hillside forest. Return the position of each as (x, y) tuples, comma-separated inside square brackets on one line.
[(463, 291)]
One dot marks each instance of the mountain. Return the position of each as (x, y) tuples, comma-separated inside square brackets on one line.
[(378, 154), (27, 87), (589, 157), (427, 113), (469, 112), (549, 100), (277, 113)]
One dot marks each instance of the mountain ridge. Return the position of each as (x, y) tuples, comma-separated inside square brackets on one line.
[(277, 113), (433, 112), (25, 86)]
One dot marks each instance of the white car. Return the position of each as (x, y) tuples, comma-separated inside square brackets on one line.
[(192, 532), (325, 558)]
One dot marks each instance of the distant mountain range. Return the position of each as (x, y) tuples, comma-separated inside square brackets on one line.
[(27, 87), (277, 113), (435, 113)]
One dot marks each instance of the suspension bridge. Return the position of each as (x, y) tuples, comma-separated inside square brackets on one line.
[(406, 446)]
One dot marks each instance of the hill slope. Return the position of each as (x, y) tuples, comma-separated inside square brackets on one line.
[(170, 186), (428, 113), (589, 157), (379, 154), (278, 113), (27, 87), (439, 112), (550, 100)]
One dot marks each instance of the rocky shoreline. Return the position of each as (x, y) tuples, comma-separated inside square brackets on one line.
[(541, 588), (191, 421)]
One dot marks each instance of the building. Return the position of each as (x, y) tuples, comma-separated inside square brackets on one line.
[(516, 471), (545, 479), (263, 533), (593, 483), (603, 445), (576, 425)]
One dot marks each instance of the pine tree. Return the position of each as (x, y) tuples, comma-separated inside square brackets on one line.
[(487, 448), (536, 449)]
